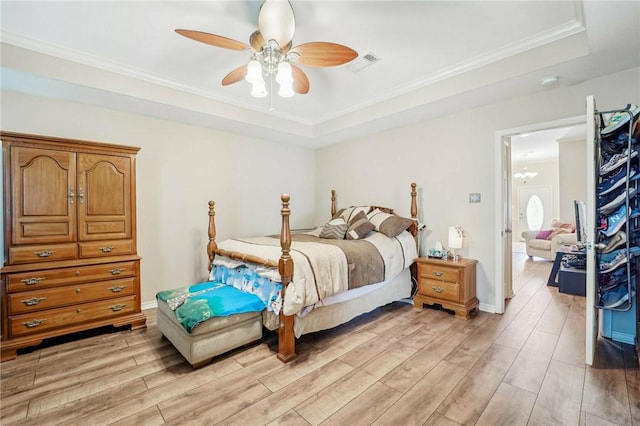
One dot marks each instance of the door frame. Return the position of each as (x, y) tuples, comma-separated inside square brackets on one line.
[(502, 180)]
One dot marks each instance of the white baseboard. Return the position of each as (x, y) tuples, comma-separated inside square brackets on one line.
[(484, 307), (150, 305)]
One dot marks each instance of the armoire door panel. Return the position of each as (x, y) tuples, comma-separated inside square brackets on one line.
[(43, 186), (104, 186)]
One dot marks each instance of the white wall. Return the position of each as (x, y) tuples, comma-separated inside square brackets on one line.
[(450, 157), (573, 184), (179, 169)]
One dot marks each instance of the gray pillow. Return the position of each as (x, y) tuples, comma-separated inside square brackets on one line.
[(359, 227), (390, 225), (334, 229)]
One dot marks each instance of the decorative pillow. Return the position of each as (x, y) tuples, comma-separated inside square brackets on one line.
[(359, 227), (334, 229), (350, 212), (570, 226), (543, 234), (390, 225), (557, 231)]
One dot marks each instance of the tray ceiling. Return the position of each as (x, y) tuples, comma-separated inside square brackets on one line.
[(435, 57)]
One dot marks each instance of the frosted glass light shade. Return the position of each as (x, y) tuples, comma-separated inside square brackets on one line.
[(254, 72), (284, 75), (259, 90)]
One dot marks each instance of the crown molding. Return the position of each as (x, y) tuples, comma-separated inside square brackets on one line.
[(542, 39), (93, 61)]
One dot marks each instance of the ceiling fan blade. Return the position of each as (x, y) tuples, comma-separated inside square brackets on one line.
[(324, 54), (276, 21), (235, 76), (257, 41), (300, 80), (214, 40)]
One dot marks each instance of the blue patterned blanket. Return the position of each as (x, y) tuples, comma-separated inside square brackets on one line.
[(199, 302)]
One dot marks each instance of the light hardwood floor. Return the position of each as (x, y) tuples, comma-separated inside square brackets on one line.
[(398, 365)]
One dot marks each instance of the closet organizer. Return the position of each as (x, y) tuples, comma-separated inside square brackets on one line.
[(617, 235)]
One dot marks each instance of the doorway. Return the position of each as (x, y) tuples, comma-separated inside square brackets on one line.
[(505, 155)]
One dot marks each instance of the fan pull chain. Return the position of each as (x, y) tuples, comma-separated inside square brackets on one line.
[(271, 108)]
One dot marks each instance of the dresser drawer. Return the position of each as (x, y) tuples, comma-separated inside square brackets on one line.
[(37, 322), (439, 289), (32, 280), (38, 300), (438, 272), (106, 248), (42, 253)]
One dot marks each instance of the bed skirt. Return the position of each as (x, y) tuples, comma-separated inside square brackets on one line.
[(343, 307)]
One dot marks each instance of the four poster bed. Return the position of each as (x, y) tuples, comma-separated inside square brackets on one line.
[(358, 261)]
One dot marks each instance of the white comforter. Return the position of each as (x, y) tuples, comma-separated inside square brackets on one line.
[(320, 270)]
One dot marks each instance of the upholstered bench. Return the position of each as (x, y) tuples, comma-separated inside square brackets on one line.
[(212, 336)]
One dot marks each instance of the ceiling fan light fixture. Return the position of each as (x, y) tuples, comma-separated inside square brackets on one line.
[(254, 72), (259, 90), (276, 21), (286, 90), (284, 75)]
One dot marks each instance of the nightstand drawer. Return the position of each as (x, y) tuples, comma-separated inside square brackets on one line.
[(438, 272), (440, 289)]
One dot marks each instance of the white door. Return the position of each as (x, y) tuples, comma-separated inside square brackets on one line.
[(534, 208), (591, 315), (507, 236)]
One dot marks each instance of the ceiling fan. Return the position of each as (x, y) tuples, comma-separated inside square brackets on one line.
[(272, 53)]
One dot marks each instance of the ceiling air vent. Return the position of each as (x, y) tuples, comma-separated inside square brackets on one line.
[(363, 62)]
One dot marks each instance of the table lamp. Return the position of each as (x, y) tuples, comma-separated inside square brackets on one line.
[(455, 240)]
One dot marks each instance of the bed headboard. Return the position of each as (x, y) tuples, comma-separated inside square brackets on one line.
[(413, 229)]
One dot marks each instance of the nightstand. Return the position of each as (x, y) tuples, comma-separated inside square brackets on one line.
[(449, 284)]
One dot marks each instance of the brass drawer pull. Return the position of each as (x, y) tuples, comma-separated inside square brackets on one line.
[(33, 323), (106, 249), (116, 308), (33, 301), (32, 281), (438, 273), (117, 288), (437, 289), (44, 253), (116, 271)]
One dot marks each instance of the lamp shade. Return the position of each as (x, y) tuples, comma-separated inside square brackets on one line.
[(455, 237)]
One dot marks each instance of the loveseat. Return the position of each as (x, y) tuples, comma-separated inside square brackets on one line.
[(545, 243)]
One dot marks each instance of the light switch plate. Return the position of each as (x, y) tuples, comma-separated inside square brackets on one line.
[(474, 197)]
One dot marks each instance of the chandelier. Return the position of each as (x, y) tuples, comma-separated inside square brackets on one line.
[(270, 61), (524, 176)]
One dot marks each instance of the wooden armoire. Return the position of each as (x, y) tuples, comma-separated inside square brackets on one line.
[(71, 262)]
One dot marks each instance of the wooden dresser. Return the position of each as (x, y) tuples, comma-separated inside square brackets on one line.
[(449, 284), (71, 261)]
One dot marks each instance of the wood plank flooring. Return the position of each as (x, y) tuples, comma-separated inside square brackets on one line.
[(395, 366)]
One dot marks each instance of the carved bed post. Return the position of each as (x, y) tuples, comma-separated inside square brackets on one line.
[(286, 338), (212, 246), (414, 212), (333, 202)]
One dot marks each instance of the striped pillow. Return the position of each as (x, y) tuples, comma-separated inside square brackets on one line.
[(359, 227), (350, 212), (334, 229), (390, 225)]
